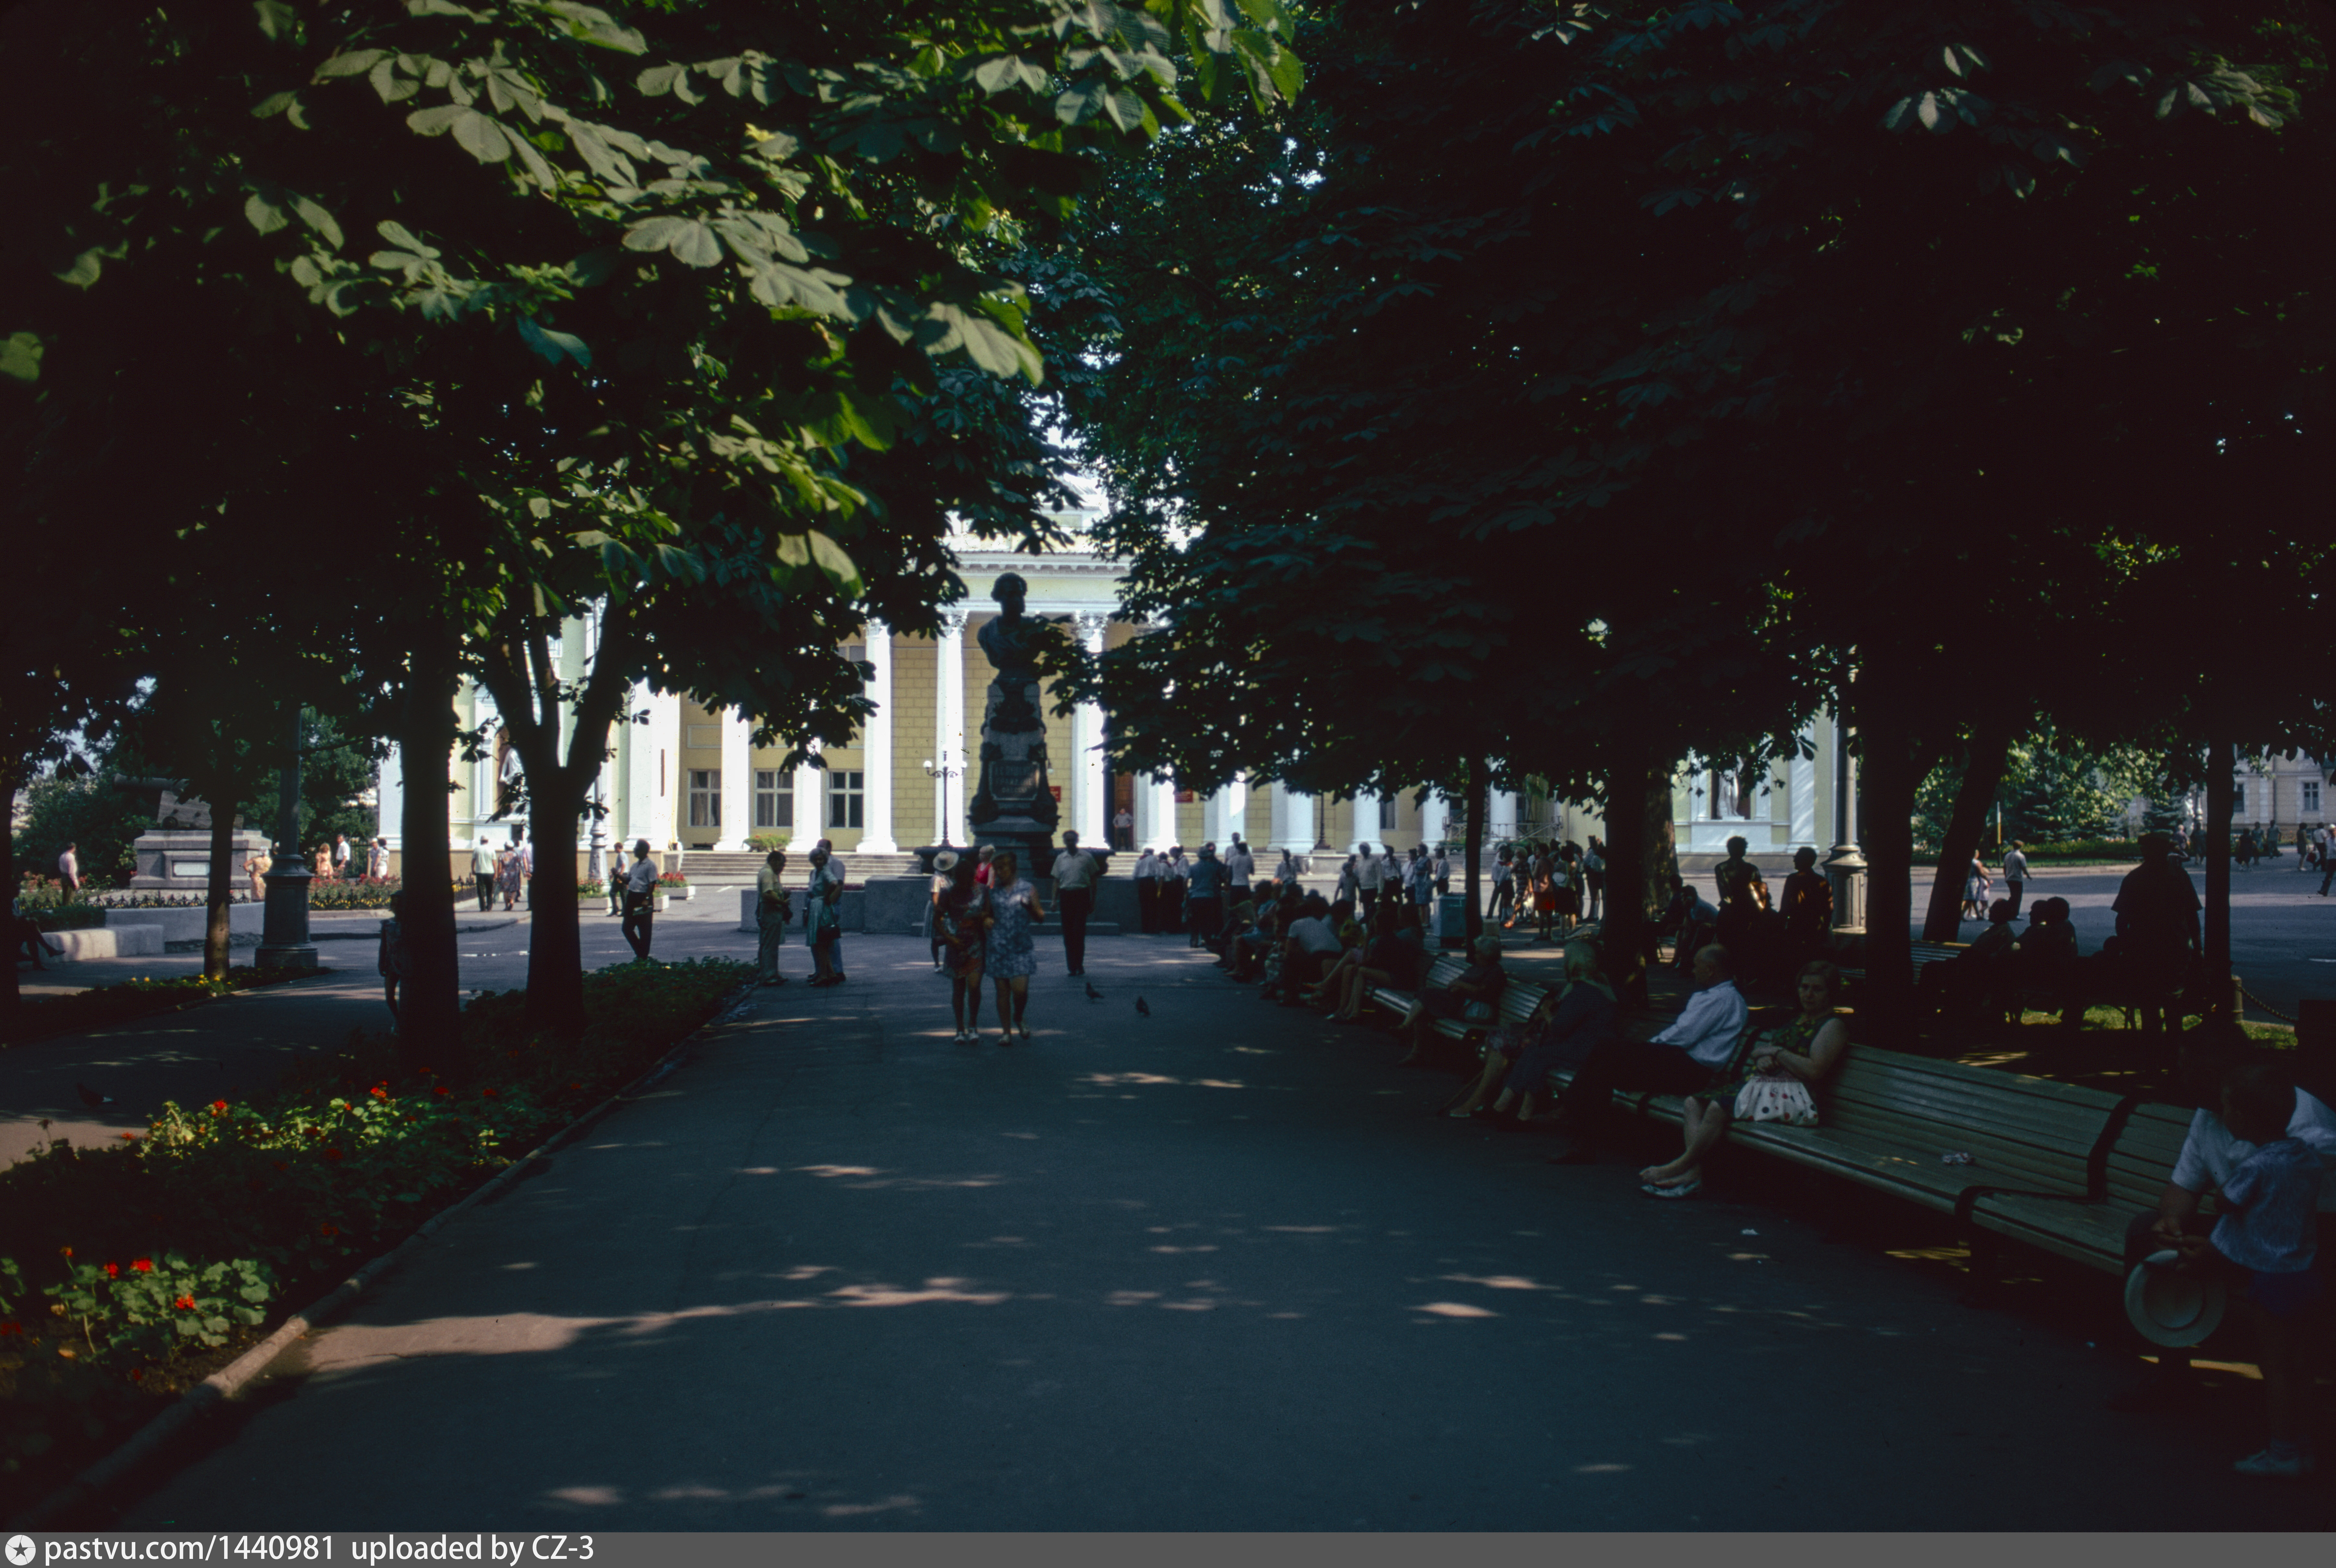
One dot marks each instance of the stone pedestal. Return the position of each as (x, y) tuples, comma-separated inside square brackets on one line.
[(1015, 808), (179, 860)]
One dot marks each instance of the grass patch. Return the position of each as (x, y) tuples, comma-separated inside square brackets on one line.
[(128, 1273)]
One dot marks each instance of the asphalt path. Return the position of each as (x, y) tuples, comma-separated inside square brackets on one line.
[(1215, 1269)]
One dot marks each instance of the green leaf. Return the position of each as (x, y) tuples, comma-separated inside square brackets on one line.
[(20, 357), (481, 138), (434, 121), (654, 233), (277, 19), (657, 80), (264, 215), (696, 244), (552, 345), (397, 234), (318, 219), (274, 104), (84, 268), (356, 64), (835, 562)]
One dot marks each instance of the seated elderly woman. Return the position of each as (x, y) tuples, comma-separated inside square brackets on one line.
[(1471, 999), (1806, 1051), (1393, 955), (1571, 1022)]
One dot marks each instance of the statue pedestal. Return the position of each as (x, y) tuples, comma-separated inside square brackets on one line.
[(1016, 807), (179, 860)]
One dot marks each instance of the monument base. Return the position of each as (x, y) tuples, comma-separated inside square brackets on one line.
[(179, 860), (1032, 841)]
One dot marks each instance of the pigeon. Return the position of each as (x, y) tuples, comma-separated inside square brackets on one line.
[(1140, 1008), (1094, 995), (90, 1096)]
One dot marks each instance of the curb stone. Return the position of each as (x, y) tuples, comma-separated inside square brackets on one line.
[(231, 1379)]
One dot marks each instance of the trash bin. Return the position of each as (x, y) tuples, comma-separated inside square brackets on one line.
[(1452, 920)]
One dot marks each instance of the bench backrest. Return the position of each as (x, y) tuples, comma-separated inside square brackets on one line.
[(1518, 1002), (2020, 1131), (1444, 971)]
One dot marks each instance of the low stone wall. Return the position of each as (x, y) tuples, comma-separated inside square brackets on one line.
[(186, 925), (109, 943)]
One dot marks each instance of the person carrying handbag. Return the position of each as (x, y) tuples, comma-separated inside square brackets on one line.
[(1776, 1082), (822, 921)]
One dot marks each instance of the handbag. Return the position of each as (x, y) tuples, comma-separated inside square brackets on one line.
[(1786, 1100)]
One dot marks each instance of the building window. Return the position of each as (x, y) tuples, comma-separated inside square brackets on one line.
[(844, 799), (2312, 796), (2238, 797), (854, 652), (1387, 809), (705, 797), (774, 798)]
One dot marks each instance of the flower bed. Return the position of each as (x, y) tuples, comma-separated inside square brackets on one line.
[(128, 1273), (102, 1006), (672, 881)]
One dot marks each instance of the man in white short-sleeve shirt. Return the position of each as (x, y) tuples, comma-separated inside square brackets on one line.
[(2210, 1153)]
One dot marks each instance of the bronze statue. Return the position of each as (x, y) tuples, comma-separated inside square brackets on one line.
[(1015, 806)]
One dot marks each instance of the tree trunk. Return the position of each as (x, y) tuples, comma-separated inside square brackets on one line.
[(555, 944), (1662, 840), (1890, 774), (219, 887), (2222, 800), (1478, 792), (430, 1008), (1623, 924), (1991, 746)]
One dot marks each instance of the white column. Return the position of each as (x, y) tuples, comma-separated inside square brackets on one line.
[(1802, 789), (1090, 807), (389, 789), (876, 747), (811, 808), (737, 781), (1159, 826), (1503, 816), (1431, 817), (1291, 825), (949, 700), (1217, 818), (655, 781)]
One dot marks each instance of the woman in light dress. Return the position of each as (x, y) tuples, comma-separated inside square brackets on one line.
[(1015, 912), (256, 867)]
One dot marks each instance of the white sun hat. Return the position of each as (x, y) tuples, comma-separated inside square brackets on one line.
[(2174, 1310)]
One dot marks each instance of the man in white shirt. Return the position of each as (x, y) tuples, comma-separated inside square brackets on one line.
[(2015, 876), (69, 869), (1075, 885), (640, 898), (1311, 946), (1685, 1057), (1240, 866), (2210, 1153), (483, 871), (1370, 875), (1122, 829)]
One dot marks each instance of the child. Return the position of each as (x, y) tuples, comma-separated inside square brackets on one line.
[(2266, 1236)]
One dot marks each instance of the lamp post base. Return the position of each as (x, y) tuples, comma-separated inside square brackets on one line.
[(284, 958)]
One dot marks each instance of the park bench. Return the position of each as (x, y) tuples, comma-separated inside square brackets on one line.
[(1923, 954), (2053, 1165)]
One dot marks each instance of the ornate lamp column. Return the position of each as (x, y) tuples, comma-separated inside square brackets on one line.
[(1846, 867), (283, 938)]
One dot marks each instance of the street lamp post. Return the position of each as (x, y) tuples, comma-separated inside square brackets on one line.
[(940, 771), (1846, 867), (284, 937)]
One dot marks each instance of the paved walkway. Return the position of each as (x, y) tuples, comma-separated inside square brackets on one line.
[(1212, 1269)]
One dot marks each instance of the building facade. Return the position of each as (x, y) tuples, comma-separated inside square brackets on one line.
[(688, 778)]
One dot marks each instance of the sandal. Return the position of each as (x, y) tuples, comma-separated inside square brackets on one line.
[(1683, 1190)]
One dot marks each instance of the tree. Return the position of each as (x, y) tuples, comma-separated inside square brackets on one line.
[(626, 339)]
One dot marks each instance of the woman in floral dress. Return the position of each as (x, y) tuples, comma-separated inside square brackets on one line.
[(961, 930), (1015, 912)]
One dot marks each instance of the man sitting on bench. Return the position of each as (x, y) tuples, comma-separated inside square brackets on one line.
[(1682, 1060)]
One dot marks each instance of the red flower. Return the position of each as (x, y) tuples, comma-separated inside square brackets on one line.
[(441, 1089), (144, 1265), (9, 1328), (184, 1303), (489, 1094), (113, 1271), (332, 1154), (379, 1091), (138, 1374), (328, 1229), (312, 1132), (128, 1138), (67, 1251), (218, 1107)]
